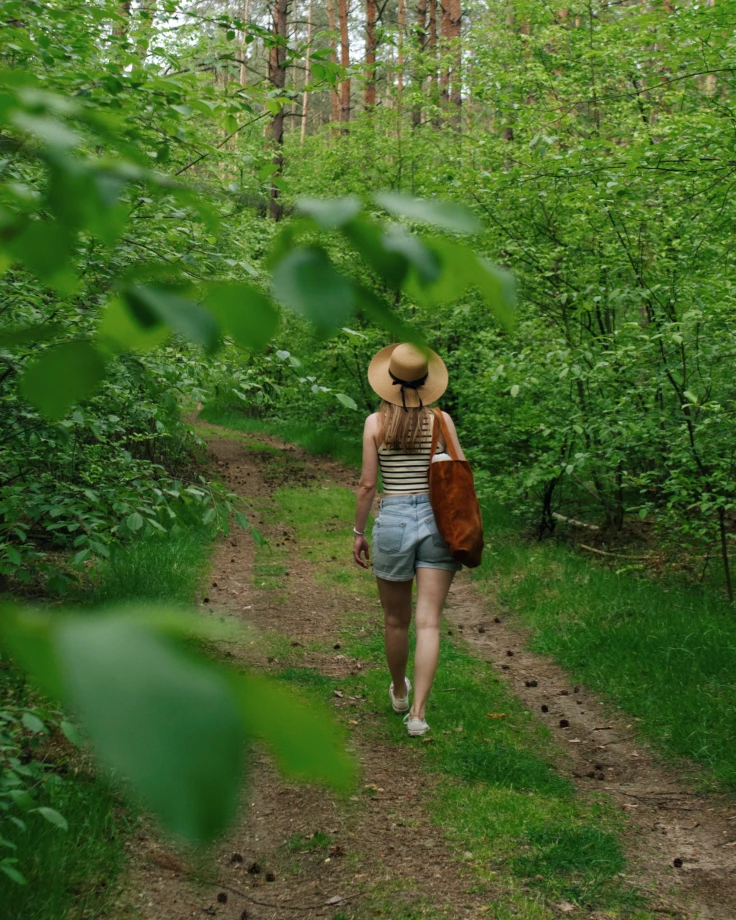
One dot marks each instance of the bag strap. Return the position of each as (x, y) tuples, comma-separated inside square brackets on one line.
[(449, 445)]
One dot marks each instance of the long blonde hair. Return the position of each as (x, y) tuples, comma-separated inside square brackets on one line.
[(402, 430)]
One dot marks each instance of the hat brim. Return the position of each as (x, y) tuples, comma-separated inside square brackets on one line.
[(382, 384)]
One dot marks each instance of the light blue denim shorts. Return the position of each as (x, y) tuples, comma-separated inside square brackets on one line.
[(405, 538)]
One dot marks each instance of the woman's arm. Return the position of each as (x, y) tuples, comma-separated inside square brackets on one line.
[(450, 428), (366, 490)]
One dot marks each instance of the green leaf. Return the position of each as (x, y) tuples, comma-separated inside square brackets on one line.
[(134, 521), (461, 268), (33, 723), (242, 520), (119, 331), (22, 798), (306, 281), (330, 214), (384, 316), (346, 401), (243, 313), (159, 718), (28, 335), (71, 733), (45, 248), (12, 873), (27, 635), (258, 537), (52, 816), (420, 257), (62, 377), (444, 214), (151, 305), (370, 242), (302, 736)]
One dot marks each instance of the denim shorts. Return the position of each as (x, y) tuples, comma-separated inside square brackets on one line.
[(405, 538)]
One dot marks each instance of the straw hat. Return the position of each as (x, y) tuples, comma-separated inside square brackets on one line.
[(408, 376)]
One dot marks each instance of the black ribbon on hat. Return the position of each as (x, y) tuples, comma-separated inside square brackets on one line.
[(409, 385)]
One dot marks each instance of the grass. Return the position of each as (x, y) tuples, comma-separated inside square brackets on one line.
[(322, 441), (521, 827), (664, 651), (161, 568), (73, 874)]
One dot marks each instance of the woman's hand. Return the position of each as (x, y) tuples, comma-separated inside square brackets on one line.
[(360, 548)]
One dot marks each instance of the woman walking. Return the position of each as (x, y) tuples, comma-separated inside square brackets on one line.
[(406, 542)]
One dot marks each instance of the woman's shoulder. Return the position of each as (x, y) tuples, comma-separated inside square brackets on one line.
[(371, 423)]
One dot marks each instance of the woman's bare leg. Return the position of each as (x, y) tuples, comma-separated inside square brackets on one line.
[(432, 588), (396, 602)]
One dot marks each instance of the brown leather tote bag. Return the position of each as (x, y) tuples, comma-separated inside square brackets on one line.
[(454, 502)]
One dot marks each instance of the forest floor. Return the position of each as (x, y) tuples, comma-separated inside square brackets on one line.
[(404, 845)]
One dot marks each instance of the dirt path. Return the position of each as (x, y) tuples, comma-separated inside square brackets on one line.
[(299, 851)]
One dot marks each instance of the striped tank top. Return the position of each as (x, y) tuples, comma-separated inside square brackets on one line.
[(404, 473)]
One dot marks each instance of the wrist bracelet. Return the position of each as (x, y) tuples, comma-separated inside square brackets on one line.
[(358, 533)]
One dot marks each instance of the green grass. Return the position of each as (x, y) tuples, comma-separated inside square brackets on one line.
[(323, 441), (162, 568), (71, 874), (665, 651), (500, 801)]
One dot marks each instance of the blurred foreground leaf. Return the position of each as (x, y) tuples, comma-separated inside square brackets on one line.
[(62, 376), (167, 718)]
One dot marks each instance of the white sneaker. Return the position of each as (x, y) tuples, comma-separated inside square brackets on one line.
[(416, 727), (400, 704)]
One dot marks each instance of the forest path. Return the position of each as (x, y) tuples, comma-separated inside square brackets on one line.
[(301, 851)]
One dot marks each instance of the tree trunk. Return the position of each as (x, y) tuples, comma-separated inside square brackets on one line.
[(244, 46), (342, 12), (307, 72), (445, 30), (334, 95), (277, 79), (120, 29), (400, 52), (455, 19), (371, 15), (432, 46), (420, 43)]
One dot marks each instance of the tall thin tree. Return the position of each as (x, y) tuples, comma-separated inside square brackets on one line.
[(277, 79), (371, 16), (342, 12), (420, 43), (335, 94), (307, 72)]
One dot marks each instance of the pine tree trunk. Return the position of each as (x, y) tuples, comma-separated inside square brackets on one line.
[(307, 72), (244, 46), (432, 45), (371, 15), (420, 43), (334, 95), (277, 79), (342, 12), (445, 30), (400, 52), (455, 27)]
